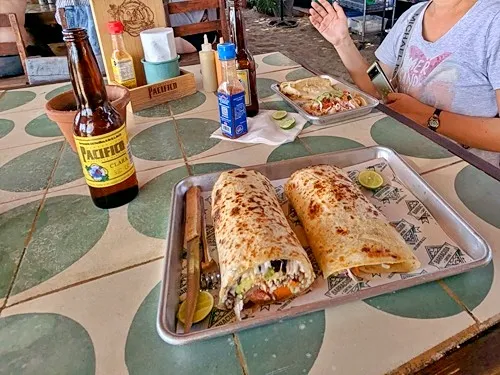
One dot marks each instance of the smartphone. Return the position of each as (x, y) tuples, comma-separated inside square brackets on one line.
[(380, 80)]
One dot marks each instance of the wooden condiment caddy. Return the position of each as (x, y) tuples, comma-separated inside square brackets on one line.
[(136, 16)]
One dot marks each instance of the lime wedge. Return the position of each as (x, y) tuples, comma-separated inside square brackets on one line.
[(204, 305), (279, 115), (286, 123), (370, 179)]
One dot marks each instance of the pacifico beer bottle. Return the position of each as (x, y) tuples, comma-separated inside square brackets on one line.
[(247, 73), (99, 131)]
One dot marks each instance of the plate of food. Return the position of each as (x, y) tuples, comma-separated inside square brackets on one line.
[(292, 237), (323, 99)]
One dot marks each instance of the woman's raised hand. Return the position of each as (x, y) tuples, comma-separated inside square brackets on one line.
[(330, 21)]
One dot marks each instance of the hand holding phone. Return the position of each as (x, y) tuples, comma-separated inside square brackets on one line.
[(380, 80)]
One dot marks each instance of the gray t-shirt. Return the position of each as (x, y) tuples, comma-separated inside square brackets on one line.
[(457, 73)]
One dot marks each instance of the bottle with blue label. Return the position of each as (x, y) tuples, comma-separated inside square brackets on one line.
[(231, 93)]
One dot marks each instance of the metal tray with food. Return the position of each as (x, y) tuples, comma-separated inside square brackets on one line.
[(267, 259), (306, 96)]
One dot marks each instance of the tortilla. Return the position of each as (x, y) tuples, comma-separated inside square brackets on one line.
[(260, 258), (345, 231)]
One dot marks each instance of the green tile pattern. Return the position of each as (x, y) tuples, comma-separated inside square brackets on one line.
[(68, 168), (42, 126), (58, 91), (426, 301), (15, 225), (264, 87), (157, 143), (300, 73), (287, 151), (68, 226), (393, 134), (161, 110), (6, 127), (278, 59), (31, 170), (204, 168), (322, 144), (195, 135), (291, 345), (188, 103), (14, 99), (146, 353), (480, 193), (148, 213), (277, 105), (45, 344)]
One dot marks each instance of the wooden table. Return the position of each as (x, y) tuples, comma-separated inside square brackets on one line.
[(79, 286)]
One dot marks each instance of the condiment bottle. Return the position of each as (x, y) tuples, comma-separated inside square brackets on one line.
[(218, 67), (208, 70), (121, 61), (99, 130), (245, 62), (233, 117)]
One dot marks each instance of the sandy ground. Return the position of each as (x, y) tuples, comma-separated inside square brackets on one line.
[(302, 43)]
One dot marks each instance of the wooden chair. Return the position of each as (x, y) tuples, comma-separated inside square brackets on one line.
[(13, 48), (220, 25)]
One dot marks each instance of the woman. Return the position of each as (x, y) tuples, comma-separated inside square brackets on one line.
[(450, 68)]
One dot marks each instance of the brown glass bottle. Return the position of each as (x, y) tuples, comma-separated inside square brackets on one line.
[(99, 131), (244, 59)]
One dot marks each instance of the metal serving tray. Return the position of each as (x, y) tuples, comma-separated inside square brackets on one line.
[(453, 225), (336, 117)]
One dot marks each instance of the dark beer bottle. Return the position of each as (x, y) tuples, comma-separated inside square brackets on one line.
[(99, 131), (247, 73)]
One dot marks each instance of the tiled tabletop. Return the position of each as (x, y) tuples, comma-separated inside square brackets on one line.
[(79, 286)]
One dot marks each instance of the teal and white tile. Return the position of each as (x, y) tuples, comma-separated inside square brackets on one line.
[(194, 133), (92, 242), (27, 127), (26, 170), (16, 221), (272, 62), (476, 198), (116, 322)]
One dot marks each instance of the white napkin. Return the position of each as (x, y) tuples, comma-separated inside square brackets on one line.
[(262, 129), (158, 44)]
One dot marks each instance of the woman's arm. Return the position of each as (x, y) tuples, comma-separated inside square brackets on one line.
[(477, 132), (331, 22)]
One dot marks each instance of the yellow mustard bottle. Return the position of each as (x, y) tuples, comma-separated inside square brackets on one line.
[(121, 61)]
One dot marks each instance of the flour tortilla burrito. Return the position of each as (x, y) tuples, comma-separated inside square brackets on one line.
[(345, 231), (260, 258)]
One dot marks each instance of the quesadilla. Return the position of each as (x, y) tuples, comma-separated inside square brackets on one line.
[(260, 258), (345, 231), (319, 97)]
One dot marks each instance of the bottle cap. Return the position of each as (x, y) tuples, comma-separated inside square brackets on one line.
[(206, 47), (115, 27), (226, 51)]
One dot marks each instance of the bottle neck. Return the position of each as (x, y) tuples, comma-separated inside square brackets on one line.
[(229, 70), (86, 77), (117, 42), (237, 25)]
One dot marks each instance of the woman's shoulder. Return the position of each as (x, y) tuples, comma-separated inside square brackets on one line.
[(406, 16)]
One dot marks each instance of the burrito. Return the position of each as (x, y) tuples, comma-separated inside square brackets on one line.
[(345, 231), (260, 258)]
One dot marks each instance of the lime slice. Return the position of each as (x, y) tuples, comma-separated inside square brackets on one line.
[(370, 179), (286, 123), (204, 305), (279, 115)]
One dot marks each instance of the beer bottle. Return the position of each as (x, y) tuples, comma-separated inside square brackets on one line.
[(244, 59), (99, 131)]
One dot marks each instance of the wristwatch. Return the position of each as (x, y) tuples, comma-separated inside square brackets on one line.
[(433, 122)]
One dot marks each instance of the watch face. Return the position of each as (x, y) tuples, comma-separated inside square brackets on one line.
[(433, 123)]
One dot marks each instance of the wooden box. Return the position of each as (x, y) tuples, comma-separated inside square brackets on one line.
[(156, 93), (137, 16)]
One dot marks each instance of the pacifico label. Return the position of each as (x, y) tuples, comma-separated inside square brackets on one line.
[(243, 76), (105, 159)]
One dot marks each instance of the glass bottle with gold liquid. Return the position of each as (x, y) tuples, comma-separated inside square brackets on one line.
[(121, 61)]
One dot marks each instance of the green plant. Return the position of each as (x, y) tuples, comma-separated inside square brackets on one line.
[(265, 6)]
